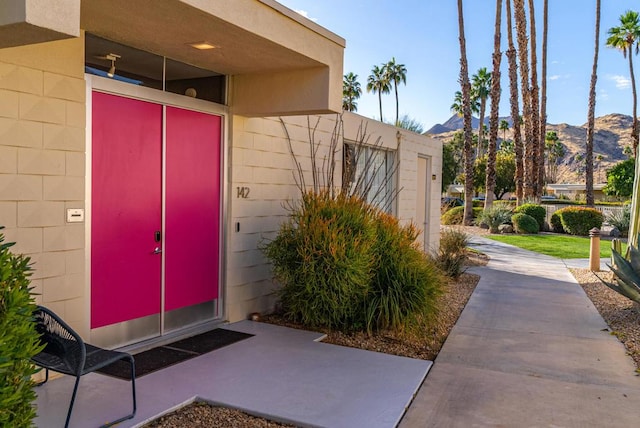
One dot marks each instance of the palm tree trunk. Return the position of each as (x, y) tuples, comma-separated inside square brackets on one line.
[(591, 114), (483, 107), (395, 86), (634, 130), (490, 182), (466, 109), (380, 103), (536, 186), (523, 55), (543, 98), (515, 112)]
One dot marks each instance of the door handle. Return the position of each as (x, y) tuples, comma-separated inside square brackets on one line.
[(157, 250)]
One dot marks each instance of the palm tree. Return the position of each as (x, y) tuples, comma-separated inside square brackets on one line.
[(490, 181), (456, 107), (504, 127), (623, 38), (523, 54), (543, 96), (481, 85), (351, 91), (396, 74), (377, 82), (591, 113), (515, 113), (555, 150), (536, 187), (466, 109)]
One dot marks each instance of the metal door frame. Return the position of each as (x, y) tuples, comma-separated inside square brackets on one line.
[(165, 99)]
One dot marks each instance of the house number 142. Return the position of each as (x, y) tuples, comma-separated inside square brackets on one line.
[(242, 192)]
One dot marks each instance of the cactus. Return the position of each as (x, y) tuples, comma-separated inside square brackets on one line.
[(626, 270)]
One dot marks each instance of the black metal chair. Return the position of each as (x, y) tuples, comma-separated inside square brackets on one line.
[(65, 352)]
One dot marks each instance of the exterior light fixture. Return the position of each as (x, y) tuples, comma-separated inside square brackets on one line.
[(112, 57), (202, 45)]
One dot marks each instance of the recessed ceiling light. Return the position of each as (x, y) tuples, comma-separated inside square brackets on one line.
[(202, 45)]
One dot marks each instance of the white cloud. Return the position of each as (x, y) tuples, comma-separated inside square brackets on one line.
[(306, 15), (622, 82), (558, 76), (603, 95)]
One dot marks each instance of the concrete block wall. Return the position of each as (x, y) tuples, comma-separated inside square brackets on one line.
[(261, 162), (42, 168)]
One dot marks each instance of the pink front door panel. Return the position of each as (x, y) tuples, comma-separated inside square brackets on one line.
[(192, 207), (126, 209)]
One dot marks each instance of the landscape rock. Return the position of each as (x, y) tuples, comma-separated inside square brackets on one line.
[(505, 228)]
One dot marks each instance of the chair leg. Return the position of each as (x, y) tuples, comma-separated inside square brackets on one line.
[(46, 378), (133, 394), (73, 399)]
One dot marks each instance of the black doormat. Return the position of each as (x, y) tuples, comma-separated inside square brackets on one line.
[(164, 356)]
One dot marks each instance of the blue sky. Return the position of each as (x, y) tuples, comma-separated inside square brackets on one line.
[(423, 35)]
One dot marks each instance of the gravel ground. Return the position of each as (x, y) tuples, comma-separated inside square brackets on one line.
[(620, 313)]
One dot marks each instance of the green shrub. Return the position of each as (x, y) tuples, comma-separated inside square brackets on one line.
[(19, 340), (579, 220), (556, 222), (494, 217), (405, 281), (455, 215), (452, 252), (536, 211), (324, 258), (524, 223), (477, 203), (345, 265)]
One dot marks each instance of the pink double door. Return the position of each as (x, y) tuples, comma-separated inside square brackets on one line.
[(155, 217)]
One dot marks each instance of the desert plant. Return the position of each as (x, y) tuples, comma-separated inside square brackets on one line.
[(452, 252), (621, 219), (323, 257), (579, 220), (494, 217), (556, 222), (536, 211), (19, 340), (455, 215), (626, 272), (406, 282), (524, 223)]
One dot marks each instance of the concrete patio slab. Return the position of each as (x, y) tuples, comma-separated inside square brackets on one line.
[(281, 373)]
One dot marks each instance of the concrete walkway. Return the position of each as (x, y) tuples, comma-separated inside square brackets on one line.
[(529, 350)]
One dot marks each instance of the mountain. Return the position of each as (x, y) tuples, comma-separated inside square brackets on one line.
[(455, 122), (612, 134)]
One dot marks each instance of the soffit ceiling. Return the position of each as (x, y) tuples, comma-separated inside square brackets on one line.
[(167, 28)]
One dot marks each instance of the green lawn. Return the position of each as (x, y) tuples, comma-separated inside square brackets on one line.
[(561, 246)]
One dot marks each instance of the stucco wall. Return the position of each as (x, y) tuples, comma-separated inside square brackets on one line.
[(42, 167), (261, 162)]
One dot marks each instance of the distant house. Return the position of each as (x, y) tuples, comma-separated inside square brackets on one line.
[(143, 156), (575, 190)]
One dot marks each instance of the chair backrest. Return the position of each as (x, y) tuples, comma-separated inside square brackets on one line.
[(60, 340)]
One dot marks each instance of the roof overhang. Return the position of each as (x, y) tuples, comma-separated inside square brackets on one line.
[(24, 22), (279, 62)]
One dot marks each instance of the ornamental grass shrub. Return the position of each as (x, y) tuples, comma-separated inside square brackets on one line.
[(452, 252), (345, 265), (455, 215), (405, 282), (579, 220), (524, 223), (538, 212), (621, 219), (19, 340)]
